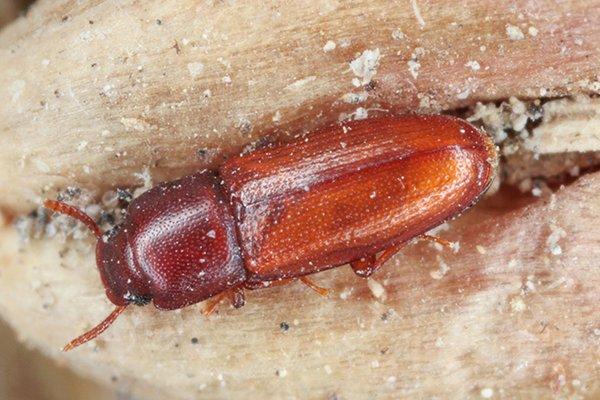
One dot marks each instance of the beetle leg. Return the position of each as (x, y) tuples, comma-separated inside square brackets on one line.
[(366, 266), (311, 284), (235, 295), (438, 240)]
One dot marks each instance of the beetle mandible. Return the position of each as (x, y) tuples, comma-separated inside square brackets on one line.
[(340, 195)]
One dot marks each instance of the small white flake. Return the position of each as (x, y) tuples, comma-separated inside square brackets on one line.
[(397, 34), (345, 42), (226, 79), (377, 289), (365, 66), (327, 369), (487, 393), (514, 32), (276, 116), (517, 304), (329, 46), (417, 12), (533, 32), (195, 68), (480, 249), (301, 83), (474, 65), (41, 165), (282, 373)]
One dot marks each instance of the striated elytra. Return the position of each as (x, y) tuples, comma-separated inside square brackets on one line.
[(343, 194)]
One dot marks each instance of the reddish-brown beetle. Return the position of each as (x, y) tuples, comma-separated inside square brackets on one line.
[(340, 195)]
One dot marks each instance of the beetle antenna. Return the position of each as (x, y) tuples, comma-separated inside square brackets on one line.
[(95, 331), (73, 212)]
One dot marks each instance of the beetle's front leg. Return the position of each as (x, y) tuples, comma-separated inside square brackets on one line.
[(235, 295)]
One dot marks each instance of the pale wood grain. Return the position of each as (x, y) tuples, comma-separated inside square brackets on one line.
[(93, 92), (506, 317)]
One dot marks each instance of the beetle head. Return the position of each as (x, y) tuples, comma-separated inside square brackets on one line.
[(122, 280)]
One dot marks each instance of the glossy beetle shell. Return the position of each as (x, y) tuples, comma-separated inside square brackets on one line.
[(339, 195), (349, 191)]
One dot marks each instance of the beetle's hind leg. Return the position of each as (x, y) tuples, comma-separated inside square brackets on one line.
[(235, 296), (366, 266)]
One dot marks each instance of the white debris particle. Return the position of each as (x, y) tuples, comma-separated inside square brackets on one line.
[(109, 90), (365, 66), (301, 82), (377, 289), (597, 331), (417, 12), (282, 373), (226, 79), (361, 113), (397, 34), (211, 234), (373, 195), (517, 304), (578, 41), (135, 124), (276, 116), (207, 93), (146, 178), (487, 393), (391, 379), (414, 64), (474, 65), (533, 32), (439, 342), (345, 42), (41, 165), (327, 369), (355, 98), (45, 62), (16, 89), (556, 233), (442, 270), (195, 68), (536, 192), (87, 169), (480, 249), (464, 94), (514, 32), (185, 41), (329, 46), (344, 294), (82, 145)]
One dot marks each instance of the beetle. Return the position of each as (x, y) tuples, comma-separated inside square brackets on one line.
[(353, 193)]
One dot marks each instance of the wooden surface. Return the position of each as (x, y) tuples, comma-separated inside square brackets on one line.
[(94, 92), (504, 314)]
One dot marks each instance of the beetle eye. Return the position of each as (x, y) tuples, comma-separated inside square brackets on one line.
[(138, 300)]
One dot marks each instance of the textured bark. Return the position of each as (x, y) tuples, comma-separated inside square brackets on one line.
[(506, 313), (93, 92)]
